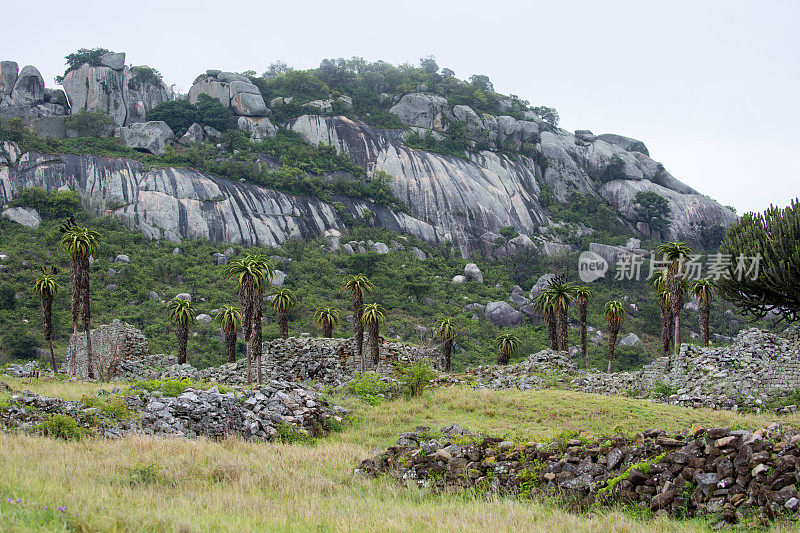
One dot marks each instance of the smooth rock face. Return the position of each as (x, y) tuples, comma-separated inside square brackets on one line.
[(423, 110), (466, 199), (471, 271), (28, 87), (103, 89), (114, 90), (259, 128), (182, 203), (26, 216), (147, 136), (626, 143), (502, 314), (9, 70)]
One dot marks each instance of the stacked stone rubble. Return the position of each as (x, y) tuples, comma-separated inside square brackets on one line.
[(732, 473)]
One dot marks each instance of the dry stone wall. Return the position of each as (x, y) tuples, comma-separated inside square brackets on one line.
[(111, 344)]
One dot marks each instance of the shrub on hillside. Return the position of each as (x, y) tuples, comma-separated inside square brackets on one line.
[(61, 427), (370, 387), (54, 205), (416, 378), (90, 124)]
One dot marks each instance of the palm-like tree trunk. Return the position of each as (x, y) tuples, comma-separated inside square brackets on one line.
[(447, 350), (245, 301), (47, 326), (676, 303), (582, 319), (256, 347), (283, 320), (612, 344), (704, 312), (665, 318), (552, 330), (230, 344), (358, 328), (327, 330), (87, 315), (75, 311), (374, 331), (563, 336), (182, 333), (503, 357)]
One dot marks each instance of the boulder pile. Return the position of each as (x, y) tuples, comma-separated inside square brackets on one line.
[(757, 368), (536, 372), (280, 408), (709, 471)]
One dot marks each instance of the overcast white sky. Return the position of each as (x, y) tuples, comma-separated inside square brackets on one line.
[(712, 87)]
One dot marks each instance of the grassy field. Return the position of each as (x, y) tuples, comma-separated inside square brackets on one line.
[(145, 484)]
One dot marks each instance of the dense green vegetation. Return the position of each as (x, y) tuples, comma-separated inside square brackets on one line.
[(765, 281), (415, 293), (180, 114)]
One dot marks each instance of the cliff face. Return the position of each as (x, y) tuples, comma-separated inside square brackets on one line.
[(463, 199), (450, 199), (182, 203)]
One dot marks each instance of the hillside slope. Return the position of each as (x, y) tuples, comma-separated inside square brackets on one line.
[(466, 161)]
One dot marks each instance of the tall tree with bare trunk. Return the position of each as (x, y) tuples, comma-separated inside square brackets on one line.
[(81, 244), (358, 286), (229, 319), (614, 312), (47, 287), (582, 297)]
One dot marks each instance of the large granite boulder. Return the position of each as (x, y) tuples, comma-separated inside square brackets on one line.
[(113, 60), (502, 314), (149, 137), (471, 271), (26, 216), (422, 110), (126, 94), (28, 87), (626, 143), (474, 130), (614, 254), (98, 88), (259, 128), (193, 135), (232, 90), (9, 70)]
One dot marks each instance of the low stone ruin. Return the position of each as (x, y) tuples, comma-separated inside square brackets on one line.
[(733, 472), (756, 368), (111, 344), (259, 414)]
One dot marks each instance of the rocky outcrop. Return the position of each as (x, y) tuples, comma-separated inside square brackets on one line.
[(114, 89), (151, 137), (232, 90), (26, 216), (176, 203), (23, 95), (626, 143), (464, 198), (423, 110)]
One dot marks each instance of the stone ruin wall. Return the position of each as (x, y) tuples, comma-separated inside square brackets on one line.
[(772, 361), (111, 343), (341, 354)]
